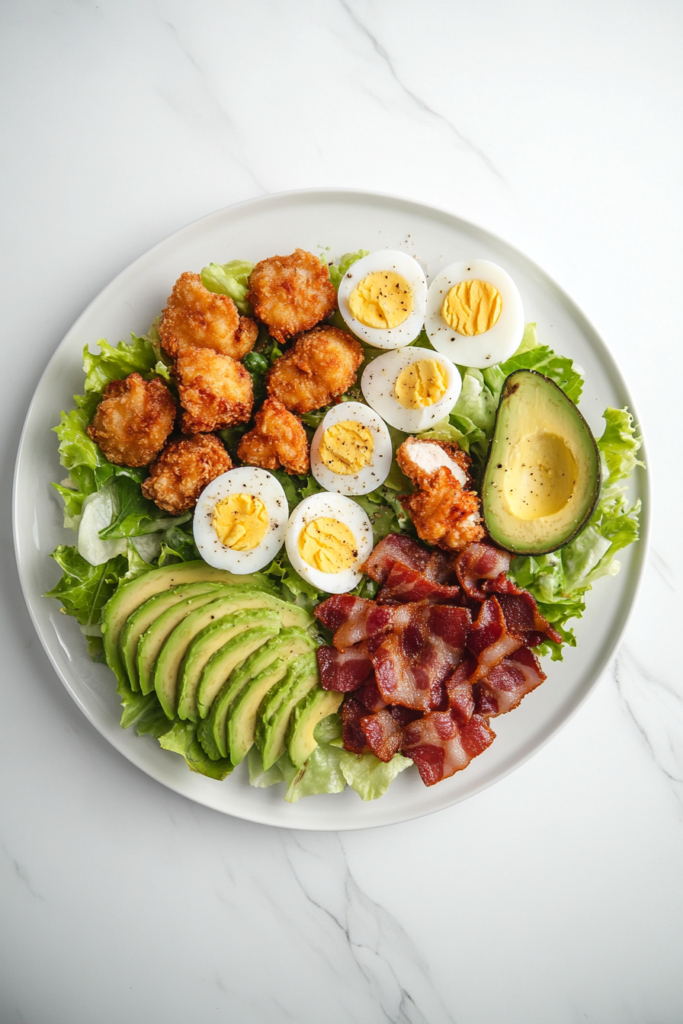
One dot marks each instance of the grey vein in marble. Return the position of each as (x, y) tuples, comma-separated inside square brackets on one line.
[(416, 100)]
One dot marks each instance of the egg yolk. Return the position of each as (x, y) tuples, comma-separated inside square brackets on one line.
[(382, 300), (240, 521), (347, 447), (421, 384), (472, 307), (327, 544)]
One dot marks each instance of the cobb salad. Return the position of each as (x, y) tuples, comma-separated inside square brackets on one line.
[(329, 518)]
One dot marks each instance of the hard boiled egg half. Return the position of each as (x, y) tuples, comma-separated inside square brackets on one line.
[(474, 313), (411, 389), (383, 297), (328, 538), (351, 450), (241, 519)]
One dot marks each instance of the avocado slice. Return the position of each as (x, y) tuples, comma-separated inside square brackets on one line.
[(131, 595), (241, 687), (310, 710), (143, 617), (154, 637), (276, 708), (209, 640), (542, 478)]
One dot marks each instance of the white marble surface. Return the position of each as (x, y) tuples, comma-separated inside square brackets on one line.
[(555, 896)]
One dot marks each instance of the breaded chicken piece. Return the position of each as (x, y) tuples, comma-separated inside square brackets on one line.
[(278, 439), (215, 390), (291, 293), (443, 508), (195, 316), (182, 471), (133, 420), (321, 365)]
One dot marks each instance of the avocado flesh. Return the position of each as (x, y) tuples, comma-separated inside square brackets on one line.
[(241, 686), (148, 612), (542, 477), (155, 636), (172, 651), (130, 596), (276, 708), (209, 640), (318, 704)]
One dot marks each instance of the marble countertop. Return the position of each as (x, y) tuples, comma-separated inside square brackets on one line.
[(556, 895)]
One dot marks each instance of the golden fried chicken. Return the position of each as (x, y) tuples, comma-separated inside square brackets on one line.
[(215, 390), (195, 316), (291, 293), (278, 439), (443, 508), (133, 420), (182, 471), (321, 365)]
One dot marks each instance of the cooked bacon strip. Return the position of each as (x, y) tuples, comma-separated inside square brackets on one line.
[(489, 641), (505, 686), (460, 692), (481, 562), (523, 619), (440, 749), (369, 696), (395, 547), (383, 733), (351, 714), (406, 584), (411, 665), (344, 671)]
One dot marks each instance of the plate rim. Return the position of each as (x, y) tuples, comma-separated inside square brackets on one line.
[(640, 553)]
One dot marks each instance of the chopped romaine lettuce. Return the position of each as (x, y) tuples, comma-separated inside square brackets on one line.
[(338, 270), (369, 776), (230, 279)]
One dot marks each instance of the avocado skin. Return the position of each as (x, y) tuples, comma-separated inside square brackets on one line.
[(278, 704), (310, 710), (499, 522), (232, 709)]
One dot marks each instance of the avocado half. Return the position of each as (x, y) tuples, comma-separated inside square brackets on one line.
[(542, 478)]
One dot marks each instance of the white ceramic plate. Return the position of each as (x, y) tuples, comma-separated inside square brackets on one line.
[(343, 221)]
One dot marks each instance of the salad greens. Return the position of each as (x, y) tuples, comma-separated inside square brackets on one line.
[(121, 534)]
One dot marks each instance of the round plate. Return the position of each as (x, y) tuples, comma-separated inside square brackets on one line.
[(339, 221)]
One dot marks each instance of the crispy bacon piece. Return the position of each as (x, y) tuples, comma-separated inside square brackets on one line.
[(505, 686), (406, 584), (395, 547), (355, 619), (481, 562), (523, 619), (352, 713), (460, 692), (489, 640), (440, 749), (383, 733), (370, 697), (344, 671)]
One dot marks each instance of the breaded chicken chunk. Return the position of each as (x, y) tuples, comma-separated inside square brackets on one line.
[(278, 439), (443, 508), (321, 365), (182, 471), (195, 316), (133, 420), (291, 293), (215, 390)]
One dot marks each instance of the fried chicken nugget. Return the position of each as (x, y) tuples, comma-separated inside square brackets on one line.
[(291, 293), (321, 365), (444, 510), (182, 471), (278, 439), (215, 390), (195, 316), (133, 420)]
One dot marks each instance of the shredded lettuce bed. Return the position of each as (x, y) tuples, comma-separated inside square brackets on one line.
[(127, 535)]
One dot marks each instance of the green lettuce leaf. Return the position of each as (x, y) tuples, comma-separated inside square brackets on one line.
[(369, 776), (140, 355), (338, 270), (257, 776), (181, 739), (230, 279), (134, 515), (320, 774), (177, 545), (84, 589)]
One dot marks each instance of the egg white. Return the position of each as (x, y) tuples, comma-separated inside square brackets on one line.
[(378, 381), (492, 346), (336, 506), (244, 480), (408, 268), (371, 476)]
